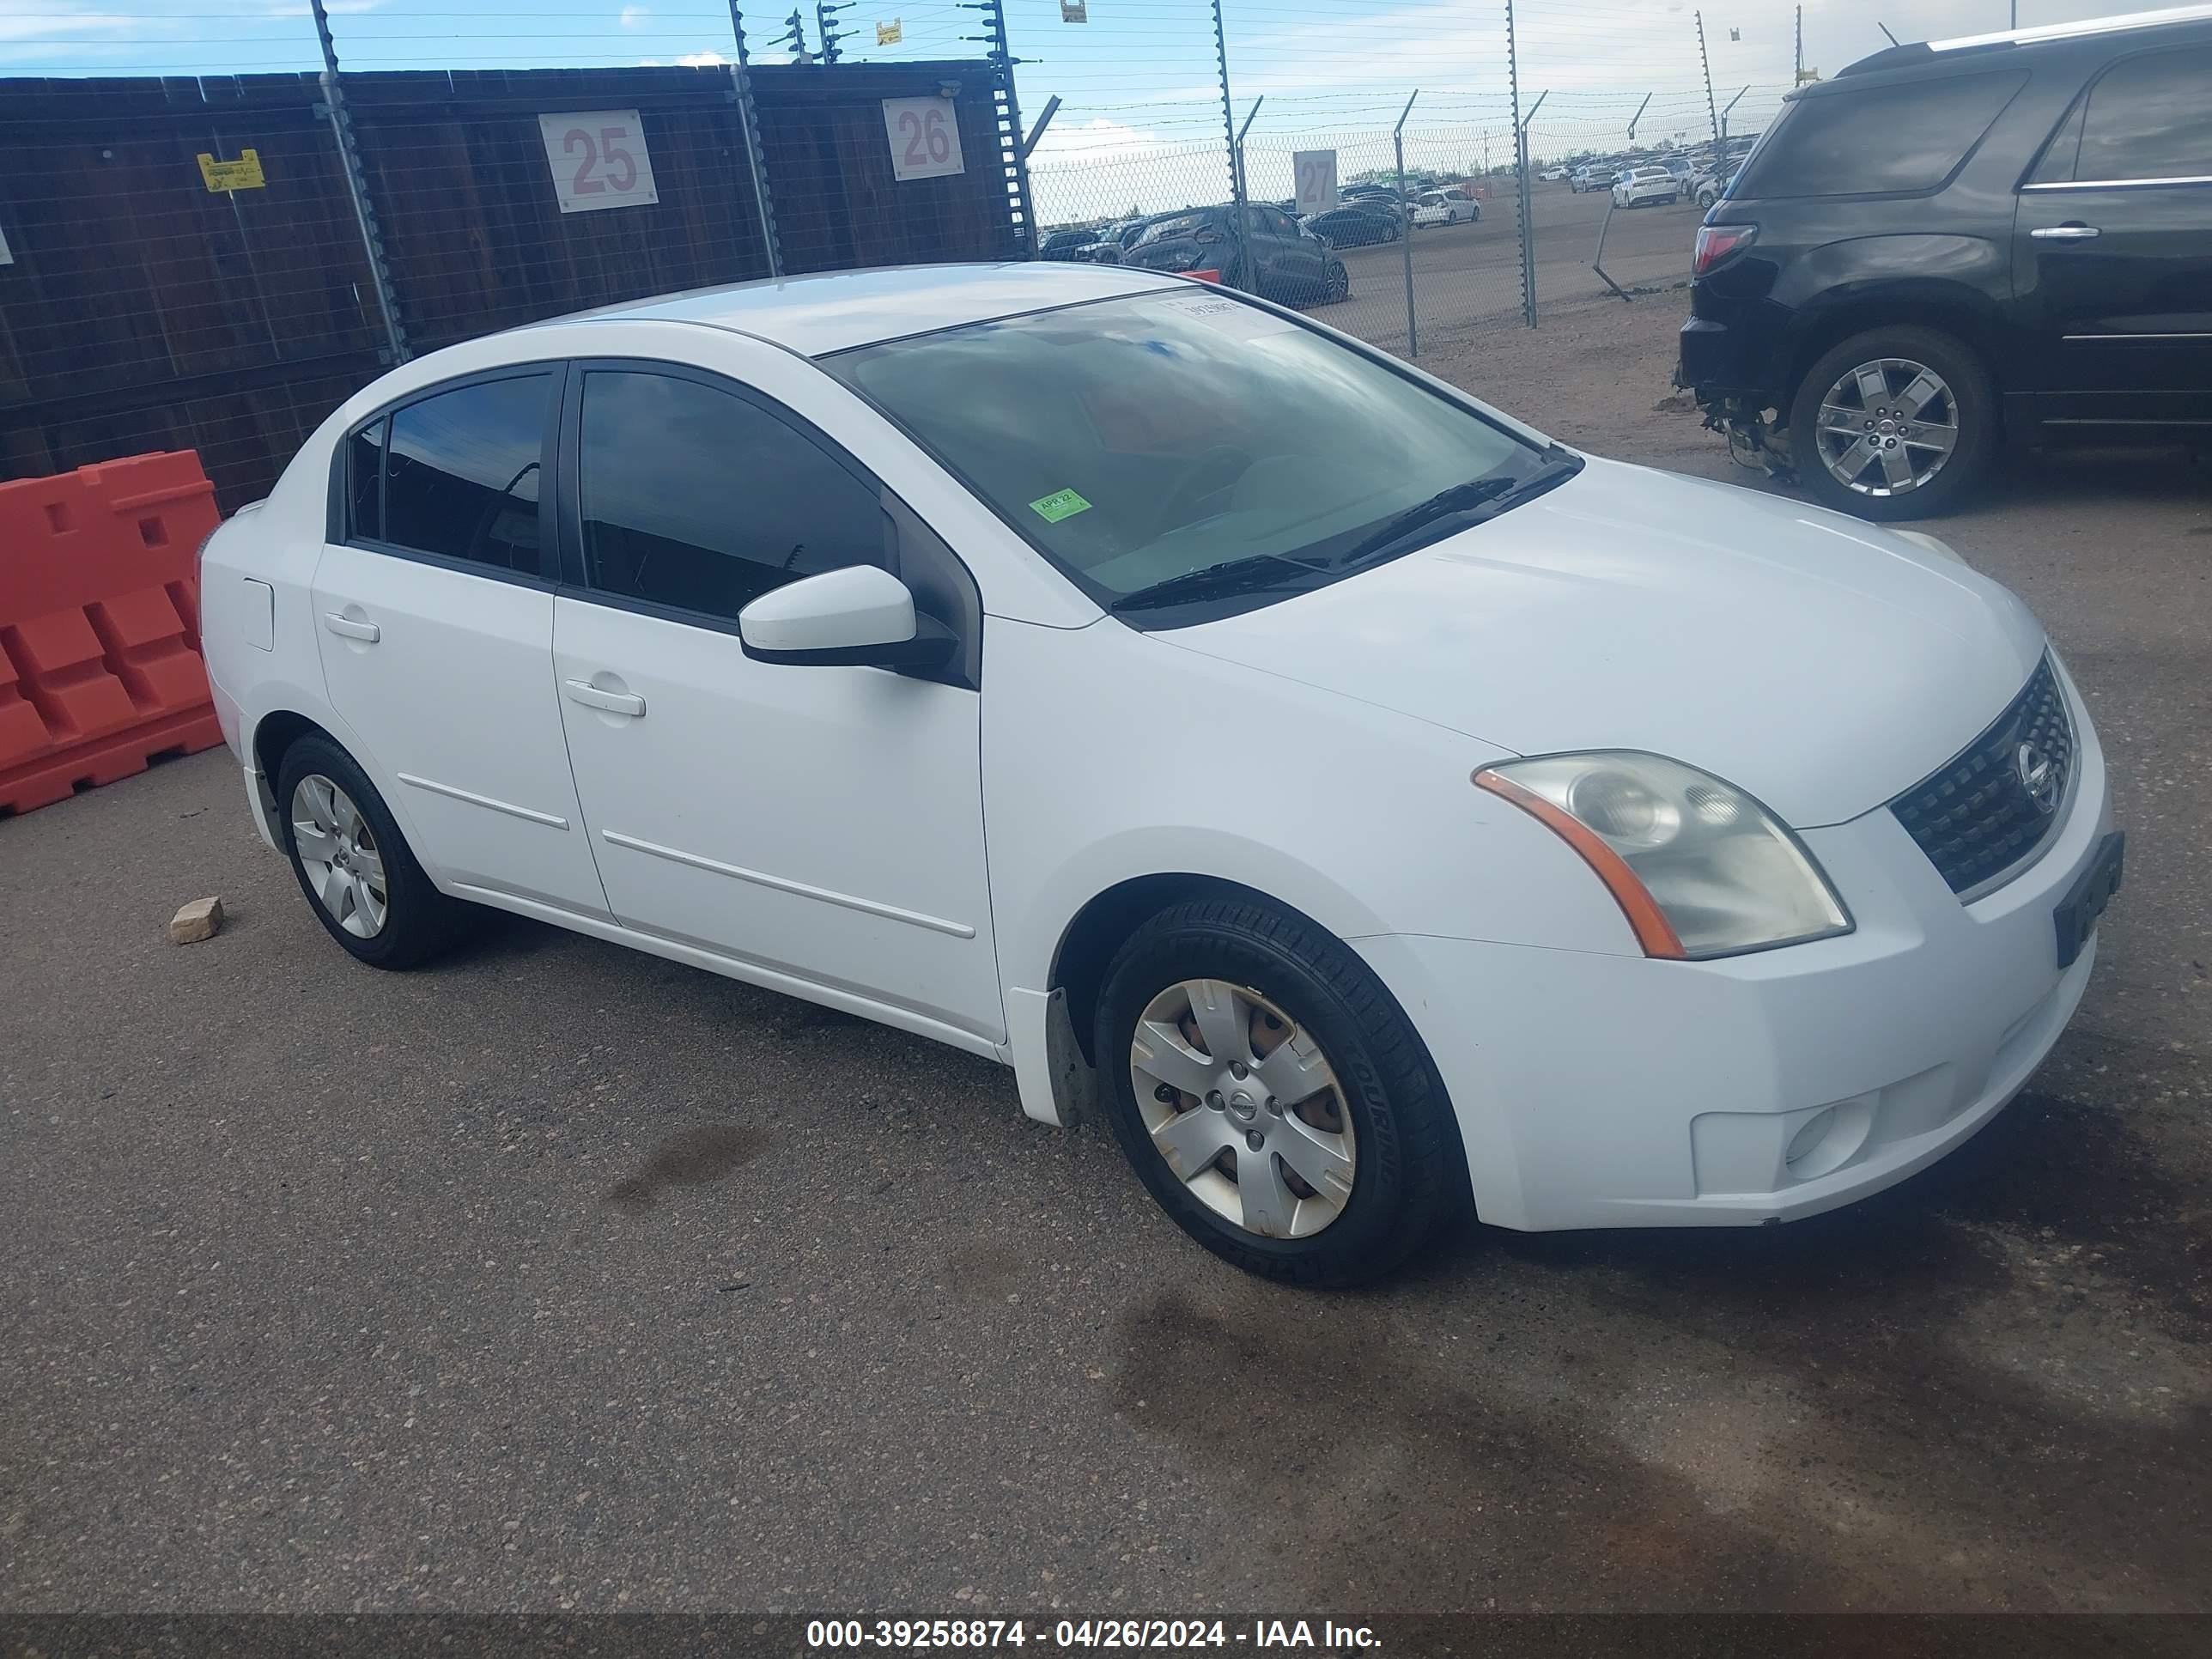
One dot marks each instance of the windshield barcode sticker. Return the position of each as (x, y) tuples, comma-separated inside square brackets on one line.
[(1231, 317)]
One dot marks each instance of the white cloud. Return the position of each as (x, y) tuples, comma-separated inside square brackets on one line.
[(701, 59), (634, 17)]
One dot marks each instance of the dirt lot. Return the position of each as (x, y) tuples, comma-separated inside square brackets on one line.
[(558, 1276)]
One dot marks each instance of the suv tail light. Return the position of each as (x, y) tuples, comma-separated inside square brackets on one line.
[(1716, 242)]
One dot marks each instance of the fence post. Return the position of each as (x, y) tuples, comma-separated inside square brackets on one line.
[(1229, 137), (1707, 63), (1520, 175), (364, 210), (1398, 143), (741, 84), (1014, 155)]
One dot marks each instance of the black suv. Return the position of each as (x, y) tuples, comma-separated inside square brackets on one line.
[(1955, 244)]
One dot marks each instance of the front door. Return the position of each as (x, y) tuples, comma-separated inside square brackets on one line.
[(823, 823), (435, 620), (2113, 251)]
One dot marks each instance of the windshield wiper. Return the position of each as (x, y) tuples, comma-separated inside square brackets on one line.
[(1255, 573), (1449, 511)]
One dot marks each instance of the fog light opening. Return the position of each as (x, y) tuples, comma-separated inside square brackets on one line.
[(1828, 1140), (1807, 1139)]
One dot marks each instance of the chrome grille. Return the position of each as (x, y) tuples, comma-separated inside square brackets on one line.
[(1987, 811)]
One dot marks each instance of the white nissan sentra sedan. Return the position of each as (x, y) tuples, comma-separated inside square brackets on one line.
[(1366, 804)]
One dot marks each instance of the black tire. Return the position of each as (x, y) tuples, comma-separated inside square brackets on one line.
[(1409, 1172), (420, 922), (1975, 413), (1338, 288)]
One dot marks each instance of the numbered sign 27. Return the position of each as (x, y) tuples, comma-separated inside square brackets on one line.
[(924, 135), (599, 159), (1314, 174)]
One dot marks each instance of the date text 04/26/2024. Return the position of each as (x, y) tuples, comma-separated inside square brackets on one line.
[(1324, 1635)]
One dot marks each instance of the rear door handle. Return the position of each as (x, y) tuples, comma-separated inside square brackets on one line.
[(615, 702), (2067, 232), (350, 629)]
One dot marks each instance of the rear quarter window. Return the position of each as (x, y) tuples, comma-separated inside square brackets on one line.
[(1909, 136)]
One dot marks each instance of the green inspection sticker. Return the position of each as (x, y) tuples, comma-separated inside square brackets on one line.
[(1060, 504)]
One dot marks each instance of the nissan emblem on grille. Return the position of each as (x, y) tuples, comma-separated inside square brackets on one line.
[(2038, 776), (1989, 811)]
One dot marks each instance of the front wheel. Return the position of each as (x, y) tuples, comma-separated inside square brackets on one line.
[(1337, 286), (1894, 423), (1271, 1095)]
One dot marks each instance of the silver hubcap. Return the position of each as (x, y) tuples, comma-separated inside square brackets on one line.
[(338, 851), (1245, 1108), (1887, 427)]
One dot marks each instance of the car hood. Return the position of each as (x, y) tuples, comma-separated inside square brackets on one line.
[(1820, 663)]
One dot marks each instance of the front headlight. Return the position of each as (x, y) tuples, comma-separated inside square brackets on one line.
[(1699, 867)]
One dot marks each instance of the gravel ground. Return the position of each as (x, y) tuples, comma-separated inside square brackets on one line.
[(557, 1276)]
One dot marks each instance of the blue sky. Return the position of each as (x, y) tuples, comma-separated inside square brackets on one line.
[(1141, 118)]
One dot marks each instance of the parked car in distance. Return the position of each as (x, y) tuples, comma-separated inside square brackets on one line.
[(1710, 183), (1078, 245), (927, 728), (1356, 224), (1275, 257), (1441, 207), (1589, 177), (2029, 261), (1647, 186), (1553, 175)]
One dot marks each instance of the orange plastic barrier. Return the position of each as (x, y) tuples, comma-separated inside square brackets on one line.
[(99, 661), (1203, 275)]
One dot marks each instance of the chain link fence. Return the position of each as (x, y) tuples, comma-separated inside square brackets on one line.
[(428, 170)]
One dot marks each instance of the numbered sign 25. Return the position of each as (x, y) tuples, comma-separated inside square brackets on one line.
[(924, 135), (599, 159)]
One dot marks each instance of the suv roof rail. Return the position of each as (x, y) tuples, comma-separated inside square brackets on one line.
[(2131, 20), (1919, 52)]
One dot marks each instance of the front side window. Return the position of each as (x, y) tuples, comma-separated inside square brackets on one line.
[(1133, 440), (461, 473), (695, 498), (1863, 142), (2147, 118)]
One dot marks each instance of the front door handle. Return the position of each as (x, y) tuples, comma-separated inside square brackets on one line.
[(615, 702), (2072, 231), (350, 629)]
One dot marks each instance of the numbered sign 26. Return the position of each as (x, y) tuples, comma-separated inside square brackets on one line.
[(599, 159), (925, 134)]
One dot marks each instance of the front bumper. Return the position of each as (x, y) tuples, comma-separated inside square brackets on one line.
[(1597, 1091)]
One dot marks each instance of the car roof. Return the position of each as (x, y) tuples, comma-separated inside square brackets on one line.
[(833, 310), (1970, 49)]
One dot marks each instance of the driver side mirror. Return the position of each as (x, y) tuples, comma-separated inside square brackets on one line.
[(861, 616)]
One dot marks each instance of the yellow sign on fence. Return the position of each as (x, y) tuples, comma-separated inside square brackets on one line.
[(244, 173), (890, 34)]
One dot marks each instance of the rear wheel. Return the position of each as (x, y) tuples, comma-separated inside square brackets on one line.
[(359, 875), (1894, 423), (1272, 1097)]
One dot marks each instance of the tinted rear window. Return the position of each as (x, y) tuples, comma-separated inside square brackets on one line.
[(1904, 137), (2146, 118)]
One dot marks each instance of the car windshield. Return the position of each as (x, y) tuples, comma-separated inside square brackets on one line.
[(1135, 440)]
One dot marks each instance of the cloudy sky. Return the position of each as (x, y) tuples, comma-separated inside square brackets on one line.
[(1141, 117)]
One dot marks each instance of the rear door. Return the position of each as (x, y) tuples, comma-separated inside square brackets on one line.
[(434, 608), (2113, 250)]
